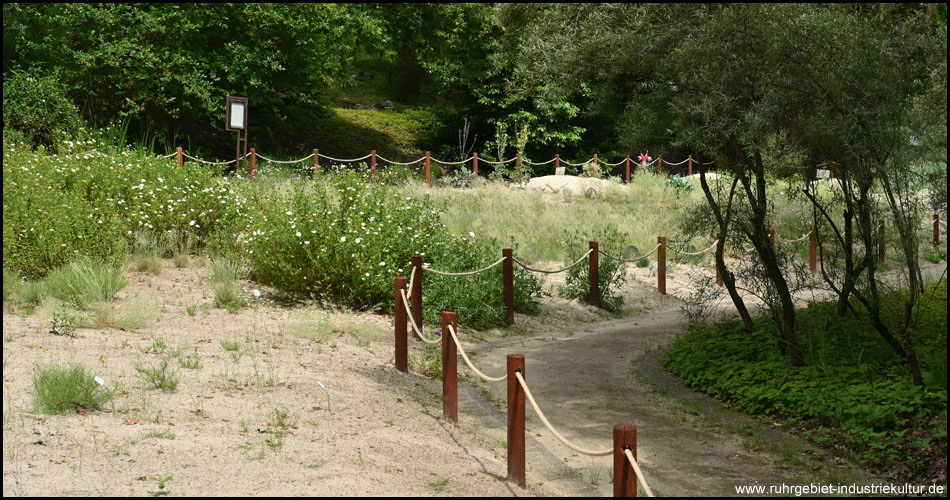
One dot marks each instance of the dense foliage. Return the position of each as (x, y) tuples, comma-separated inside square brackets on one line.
[(852, 391)]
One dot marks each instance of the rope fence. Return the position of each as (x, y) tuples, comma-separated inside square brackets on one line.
[(408, 313), (316, 155)]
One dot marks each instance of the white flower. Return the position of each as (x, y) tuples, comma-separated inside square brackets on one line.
[(298, 234), (289, 212), (472, 234), (192, 223), (359, 240), (306, 242), (342, 239), (382, 263)]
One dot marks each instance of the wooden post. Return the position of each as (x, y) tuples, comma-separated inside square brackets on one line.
[(661, 265), (690, 168), (718, 273), (508, 275), (813, 251), (594, 275), (659, 164), (253, 164), (402, 340), (880, 241), (518, 167), (936, 230), (772, 236), (717, 165), (625, 477), (557, 162), (316, 162), (516, 416), (595, 160), (450, 389), (372, 165), (428, 175), (628, 169), (416, 299), (475, 163), (181, 159)]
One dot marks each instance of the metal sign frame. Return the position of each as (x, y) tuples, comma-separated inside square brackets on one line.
[(229, 102)]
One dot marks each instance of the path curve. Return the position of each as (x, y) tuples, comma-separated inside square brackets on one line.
[(591, 377)]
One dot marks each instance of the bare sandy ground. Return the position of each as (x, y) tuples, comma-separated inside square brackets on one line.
[(254, 421)]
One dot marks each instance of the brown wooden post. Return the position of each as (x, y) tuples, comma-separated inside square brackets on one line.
[(402, 339), (316, 161), (508, 276), (936, 230), (450, 375), (428, 175), (690, 168), (557, 162), (880, 241), (594, 274), (416, 299), (717, 165), (772, 236), (625, 477), (595, 160), (516, 416), (372, 165), (659, 163), (628, 169), (719, 274), (518, 167), (181, 159), (475, 163), (253, 164), (813, 250), (661, 265)]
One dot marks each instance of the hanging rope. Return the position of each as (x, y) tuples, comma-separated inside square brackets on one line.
[(527, 392), (578, 261), (695, 253), (526, 162), (283, 162), (169, 156), (346, 161), (497, 162), (499, 261), (633, 462), (398, 163), (199, 160), (412, 321), (469, 362), (577, 164), (614, 164), (453, 162), (675, 164), (412, 276), (803, 238), (657, 247)]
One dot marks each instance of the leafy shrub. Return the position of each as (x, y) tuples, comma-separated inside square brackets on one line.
[(478, 299), (59, 390), (341, 240), (680, 184), (87, 203), (611, 274), (853, 389), (37, 106)]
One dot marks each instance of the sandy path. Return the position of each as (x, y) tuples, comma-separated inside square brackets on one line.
[(586, 380)]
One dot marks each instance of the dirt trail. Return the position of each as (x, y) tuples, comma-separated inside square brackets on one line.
[(588, 379)]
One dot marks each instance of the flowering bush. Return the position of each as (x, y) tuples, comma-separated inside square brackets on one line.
[(84, 202), (342, 240)]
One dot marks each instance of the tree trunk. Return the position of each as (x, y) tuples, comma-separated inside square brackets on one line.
[(728, 279)]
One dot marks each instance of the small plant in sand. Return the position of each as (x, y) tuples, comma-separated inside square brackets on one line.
[(61, 389), (160, 377)]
